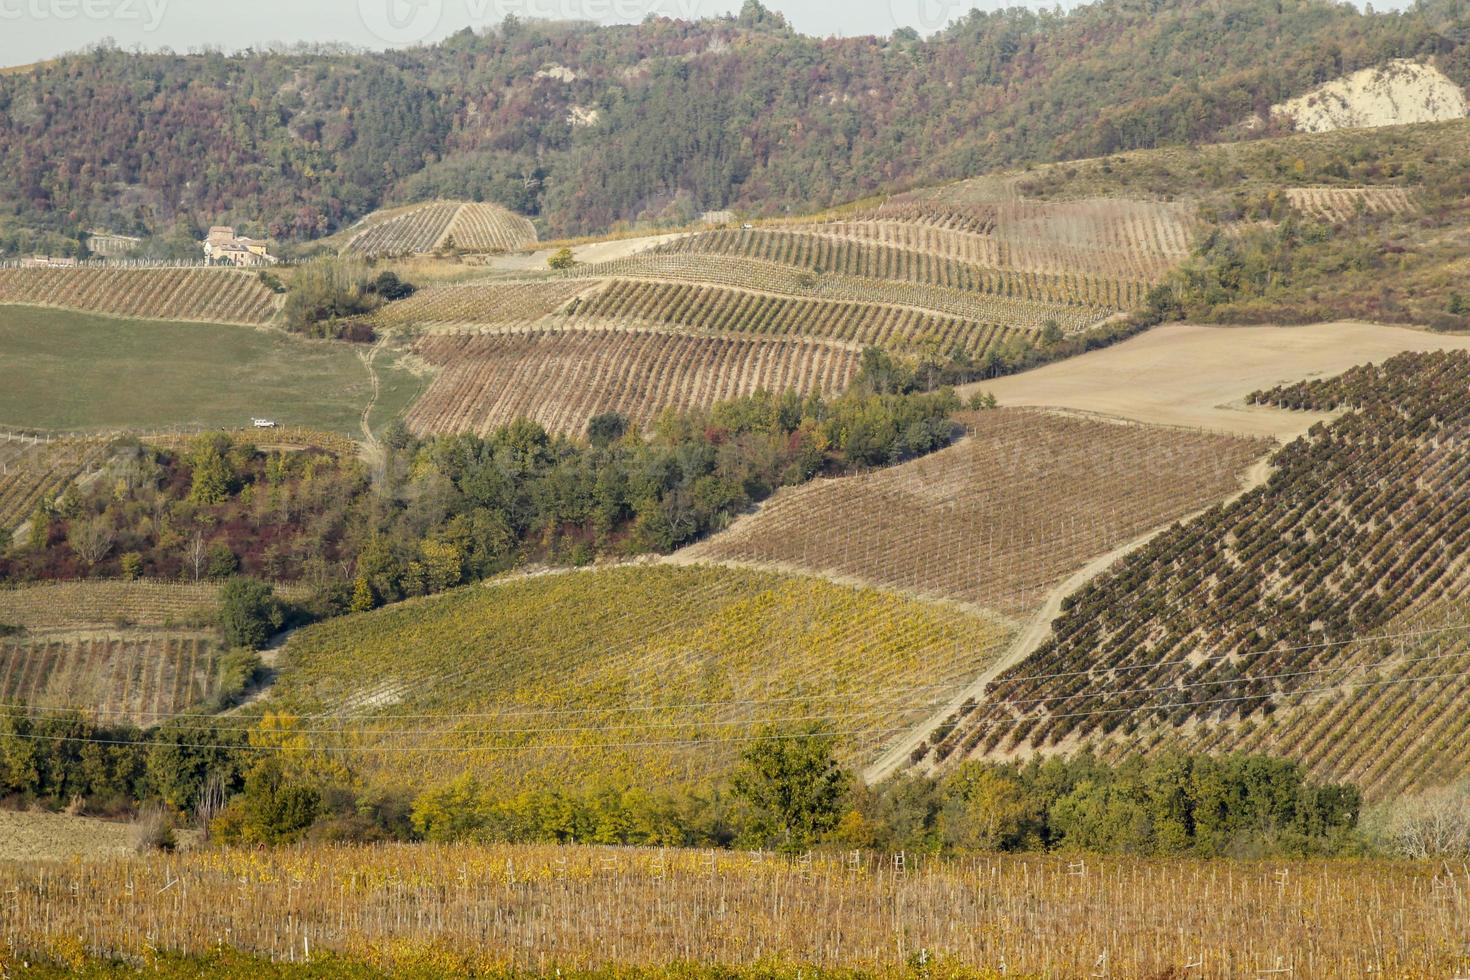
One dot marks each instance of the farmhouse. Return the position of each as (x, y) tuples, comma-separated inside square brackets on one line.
[(223, 245)]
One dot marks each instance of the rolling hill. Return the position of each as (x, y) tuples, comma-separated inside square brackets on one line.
[(64, 371), (449, 226), (997, 519), (1256, 611), (734, 113), (972, 273), (655, 673)]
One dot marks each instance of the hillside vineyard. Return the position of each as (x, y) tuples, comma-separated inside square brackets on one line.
[(215, 295), (999, 518), (596, 675), (447, 225), (486, 496), (1362, 522), (562, 376), (34, 468), (137, 677)]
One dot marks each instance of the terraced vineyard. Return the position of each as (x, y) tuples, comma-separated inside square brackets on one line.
[(997, 519), (823, 254), (1122, 236), (32, 470), (428, 228), (982, 306), (555, 680), (1338, 204), (1363, 525), (481, 302), (562, 377), (197, 294), (93, 604), (712, 309), (142, 678)]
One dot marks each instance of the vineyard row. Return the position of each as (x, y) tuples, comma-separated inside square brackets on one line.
[(211, 295), (999, 518), (717, 310), (826, 254), (1362, 522), (561, 378), (143, 678)]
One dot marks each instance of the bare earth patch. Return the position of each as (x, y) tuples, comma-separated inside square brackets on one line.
[(1392, 94), (606, 251), (40, 836), (1197, 376)]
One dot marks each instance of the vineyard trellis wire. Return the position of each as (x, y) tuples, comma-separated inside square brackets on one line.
[(598, 908)]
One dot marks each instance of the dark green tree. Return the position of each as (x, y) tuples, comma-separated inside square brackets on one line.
[(794, 786), (606, 429), (249, 613), (277, 810)]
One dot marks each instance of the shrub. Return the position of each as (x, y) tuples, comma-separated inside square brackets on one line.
[(249, 613), (155, 830)]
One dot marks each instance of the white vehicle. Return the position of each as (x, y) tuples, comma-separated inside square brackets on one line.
[(263, 423)]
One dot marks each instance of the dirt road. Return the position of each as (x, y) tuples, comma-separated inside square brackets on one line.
[(1035, 633)]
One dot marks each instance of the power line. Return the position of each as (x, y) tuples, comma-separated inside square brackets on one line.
[(734, 739), (866, 708)]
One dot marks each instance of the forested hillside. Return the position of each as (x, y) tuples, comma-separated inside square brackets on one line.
[(584, 127)]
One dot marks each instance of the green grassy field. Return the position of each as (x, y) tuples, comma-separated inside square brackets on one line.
[(67, 371), (655, 675)]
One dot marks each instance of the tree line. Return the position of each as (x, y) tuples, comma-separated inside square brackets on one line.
[(453, 509), (731, 112), (789, 792)]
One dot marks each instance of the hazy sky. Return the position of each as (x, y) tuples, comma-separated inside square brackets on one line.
[(31, 30)]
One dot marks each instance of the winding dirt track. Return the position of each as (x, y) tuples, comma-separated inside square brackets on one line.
[(1182, 375), (1035, 633)]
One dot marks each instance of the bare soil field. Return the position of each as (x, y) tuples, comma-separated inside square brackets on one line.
[(1391, 94), (40, 836), (37, 835), (605, 251), (1197, 376)]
